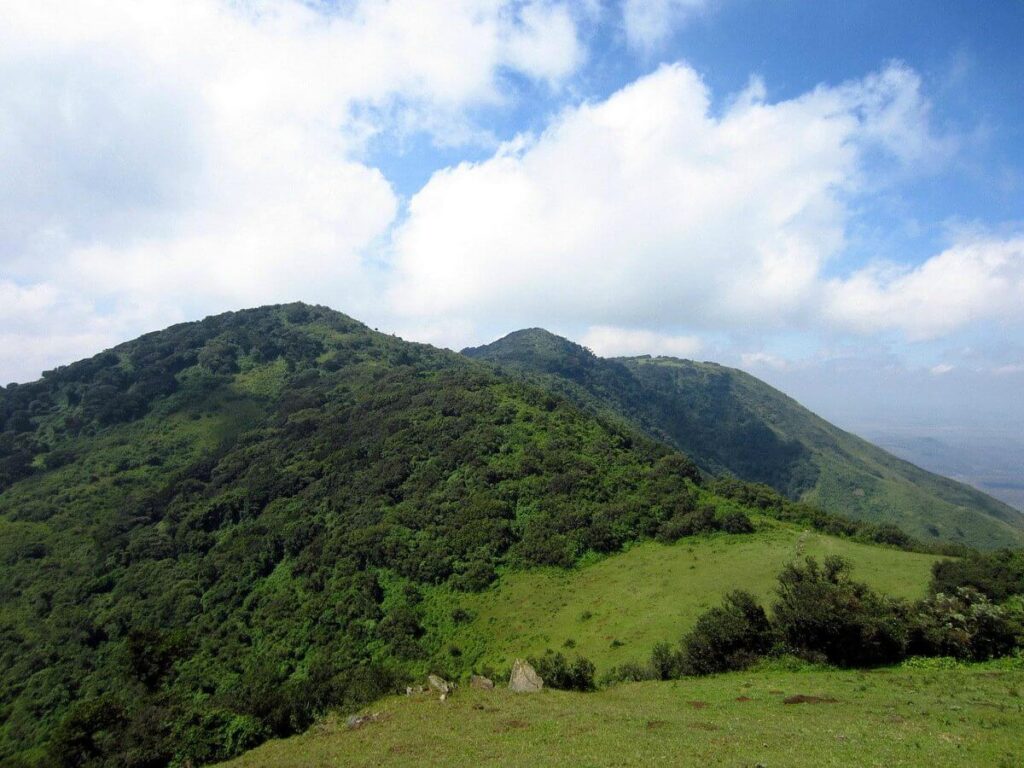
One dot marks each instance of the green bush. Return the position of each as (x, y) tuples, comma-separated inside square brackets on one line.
[(997, 575), (729, 637), (558, 672), (964, 625), (822, 613)]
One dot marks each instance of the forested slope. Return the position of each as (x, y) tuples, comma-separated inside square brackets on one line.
[(729, 421), (212, 533)]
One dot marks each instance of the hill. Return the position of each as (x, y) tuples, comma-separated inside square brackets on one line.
[(215, 532), (729, 421)]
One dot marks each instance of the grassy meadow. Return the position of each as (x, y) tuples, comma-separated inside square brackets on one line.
[(615, 610), (927, 715)]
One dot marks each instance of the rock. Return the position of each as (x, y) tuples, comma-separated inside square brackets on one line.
[(481, 682), (358, 721), (524, 678), (439, 684)]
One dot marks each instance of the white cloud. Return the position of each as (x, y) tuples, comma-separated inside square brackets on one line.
[(608, 341), (763, 360), (649, 22), (163, 158), (941, 369), (974, 280), (647, 209)]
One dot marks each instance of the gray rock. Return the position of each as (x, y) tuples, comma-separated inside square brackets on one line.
[(524, 678), (481, 682), (439, 684)]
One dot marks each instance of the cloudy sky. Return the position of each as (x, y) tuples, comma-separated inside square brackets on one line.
[(827, 194)]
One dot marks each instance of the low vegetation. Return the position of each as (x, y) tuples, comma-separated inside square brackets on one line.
[(916, 715), (615, 609)]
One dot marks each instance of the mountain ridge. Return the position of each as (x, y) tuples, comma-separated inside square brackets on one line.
[(728, 420)]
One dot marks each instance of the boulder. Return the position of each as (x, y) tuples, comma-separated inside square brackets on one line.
[(524, 678), (481, 682), (439, 684)]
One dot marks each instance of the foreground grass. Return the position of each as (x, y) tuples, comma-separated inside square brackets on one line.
[(616, 609), (902, 716)]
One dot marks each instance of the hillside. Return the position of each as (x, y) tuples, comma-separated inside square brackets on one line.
[(957, 716), (215, 532), (729, 421), (615, 610)]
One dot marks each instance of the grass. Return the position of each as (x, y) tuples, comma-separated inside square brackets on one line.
[(616, 609), (902, 716)]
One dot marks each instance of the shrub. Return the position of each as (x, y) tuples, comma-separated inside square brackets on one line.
[(729, 637), (997, 575), (558, 672), (823, 614), (964, 625), (665, 662), (736, 522), (628, 672)]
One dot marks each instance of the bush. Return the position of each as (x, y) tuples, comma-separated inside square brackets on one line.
[(822, 613), (558, 672), (730, 637), (736, 522), (665, 662), (628, 672), (965, 625), (997, 575)]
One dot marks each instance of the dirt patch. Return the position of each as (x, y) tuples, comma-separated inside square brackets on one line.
[(895, 719), (776, 693), (803, 699), (653, 725), (743, 699), (510, 725), (699, 704)]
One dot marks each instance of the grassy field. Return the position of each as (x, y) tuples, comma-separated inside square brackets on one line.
[(903, 716), (616, 609)]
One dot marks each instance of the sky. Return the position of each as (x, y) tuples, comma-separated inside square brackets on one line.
[(829, 195)]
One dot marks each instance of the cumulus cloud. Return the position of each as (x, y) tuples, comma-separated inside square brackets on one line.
[(976, 279), (648, 207), (608, 341), (164, 159), (648, 22)]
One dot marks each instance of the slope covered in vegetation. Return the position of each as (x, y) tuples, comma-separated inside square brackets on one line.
[(729, 421), (212, 533), (615, 610)]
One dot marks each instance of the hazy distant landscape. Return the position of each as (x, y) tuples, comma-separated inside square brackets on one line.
[(994, 465)]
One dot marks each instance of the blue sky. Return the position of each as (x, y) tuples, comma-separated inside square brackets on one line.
[(827, 194)]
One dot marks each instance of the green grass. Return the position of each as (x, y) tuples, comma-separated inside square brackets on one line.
[(616, 609), (903, 716)]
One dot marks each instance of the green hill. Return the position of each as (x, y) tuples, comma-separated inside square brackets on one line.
[(212, 533), (729, 421)]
